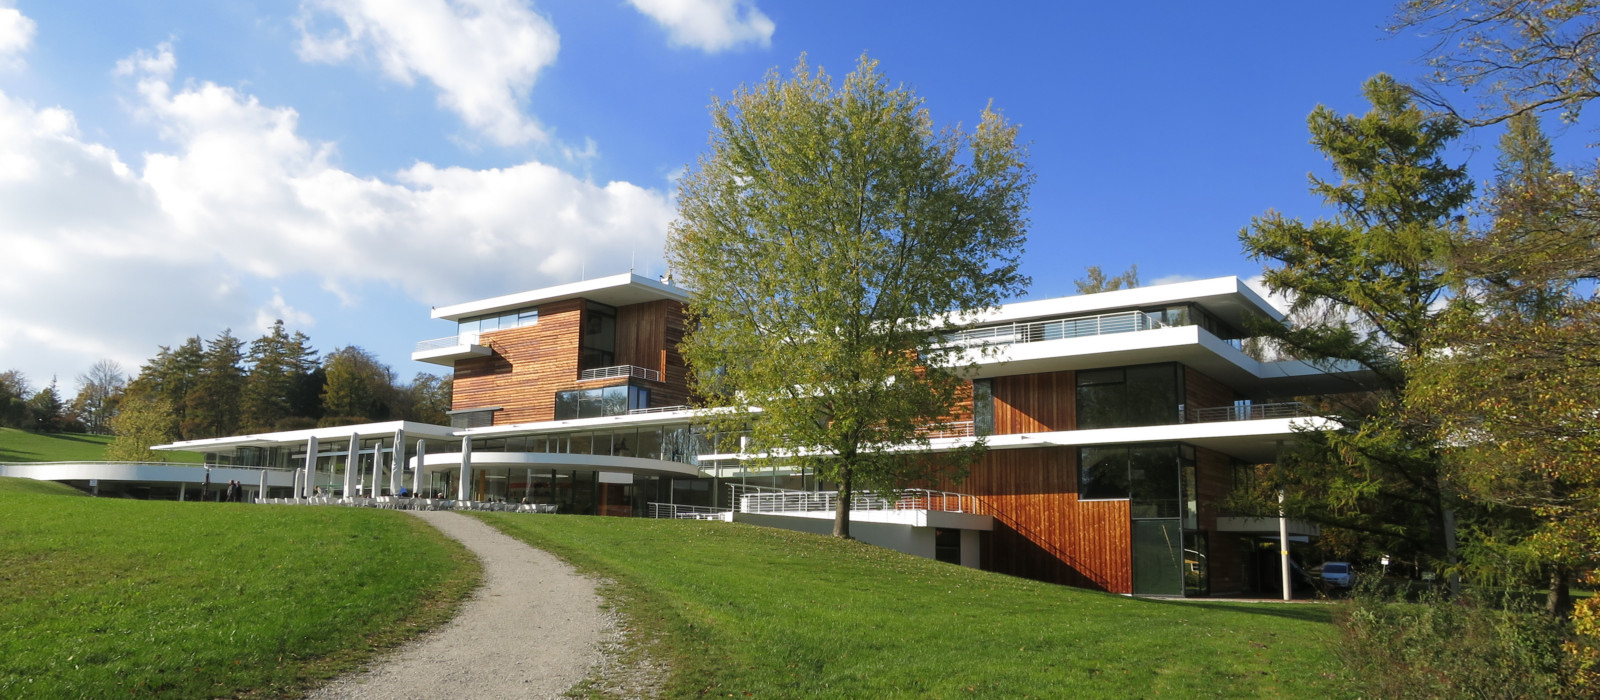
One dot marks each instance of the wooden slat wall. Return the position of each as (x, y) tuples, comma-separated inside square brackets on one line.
[(1214, 481), (1042, 531), (1201, 391), (531, 364), (1029, 403)]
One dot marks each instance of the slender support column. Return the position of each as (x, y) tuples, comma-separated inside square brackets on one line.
[(416, 476), (299, 482), (464, 484), (397, 461), (183, 490), (1283, 541), (261, 493), (377, 469), (311, 465), (352, 465)]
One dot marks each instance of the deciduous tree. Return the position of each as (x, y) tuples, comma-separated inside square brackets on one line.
[(826, 238), (1095, 280)]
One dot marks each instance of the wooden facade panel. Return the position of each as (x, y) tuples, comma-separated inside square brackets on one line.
[(1213, 484), (1201, 391), (1041, 530), (531, 364), (1028, 403)]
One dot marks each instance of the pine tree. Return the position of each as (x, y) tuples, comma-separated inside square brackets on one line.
[(170, 375), (270, 381), (212, 404), (48, 412)]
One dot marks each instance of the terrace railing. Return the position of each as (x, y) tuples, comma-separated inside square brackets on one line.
[(682, 512), (447, 342), (765, 499), (953, 429), (619, 371), (658, 409), (1255, 411), (1037, 331), (151, 464)]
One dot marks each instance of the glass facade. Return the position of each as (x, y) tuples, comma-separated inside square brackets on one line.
[(1169, 555), (1125, 397), (516, 318), (598, 345), (600, 401), (982, 407), (673, 443)]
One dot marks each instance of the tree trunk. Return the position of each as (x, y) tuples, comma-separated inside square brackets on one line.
[(1559, 602), (841, 511)]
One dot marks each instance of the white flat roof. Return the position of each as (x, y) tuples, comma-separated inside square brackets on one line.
[(616, 290), (337, 434), (1229, 298)]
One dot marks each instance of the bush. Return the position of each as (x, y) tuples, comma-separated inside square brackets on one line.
[(1452, 648)]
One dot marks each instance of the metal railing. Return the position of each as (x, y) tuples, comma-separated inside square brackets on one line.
[(150, 464), (1036, 331), (447, 342), (658, 409), (619, 371), (952, 429), (1256, 411), (766, 499), (682, 512)]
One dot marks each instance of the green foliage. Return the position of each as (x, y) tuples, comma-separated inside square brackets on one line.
[(99, 395), (731, 609), (825, 238), (169, 376), (10, 485), (1095, 281), (212, 403), (111, 598), (145, 420), (1374, 274), (359, 386), (1438, 648), (47, 412), (429, 398), (279, 365)]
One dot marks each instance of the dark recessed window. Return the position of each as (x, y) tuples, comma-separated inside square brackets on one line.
[(1126, 397)]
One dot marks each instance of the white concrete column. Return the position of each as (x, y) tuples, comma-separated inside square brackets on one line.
[(261, 493), (299, 482), (416, 476), (377, 469), (463, 487), (183, 490), (352, 462), (397, 461), (1283, 549), (311, 465)]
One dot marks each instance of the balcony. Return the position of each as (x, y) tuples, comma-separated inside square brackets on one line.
[(619, 371), (1258, 411), (446, 351), (1059, 329)]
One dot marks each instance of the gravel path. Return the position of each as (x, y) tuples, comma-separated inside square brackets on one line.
[(532, 630)]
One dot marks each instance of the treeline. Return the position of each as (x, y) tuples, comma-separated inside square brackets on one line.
[(226, 386)]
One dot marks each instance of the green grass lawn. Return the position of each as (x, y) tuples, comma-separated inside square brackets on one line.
[(22, 446), (735, 610), (111, 597)]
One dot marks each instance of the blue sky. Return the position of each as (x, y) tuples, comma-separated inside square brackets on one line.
[(175, 168)]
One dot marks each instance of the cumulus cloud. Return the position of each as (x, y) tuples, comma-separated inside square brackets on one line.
[(16, 35), (481, 55), (110, 258), (710, 25)]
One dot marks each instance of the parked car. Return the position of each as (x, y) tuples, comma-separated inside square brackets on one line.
[(1338, 574)]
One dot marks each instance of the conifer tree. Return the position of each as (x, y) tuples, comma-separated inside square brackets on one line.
[(270, 382), (212, 404), (170, 375)]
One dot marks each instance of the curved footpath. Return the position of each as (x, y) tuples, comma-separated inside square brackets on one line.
[(532, 630)]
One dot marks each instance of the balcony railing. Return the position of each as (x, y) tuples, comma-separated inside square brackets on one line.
[(449, 342), (658, 409), (953, 429), (764, 499), (619, 371), (1256, 411), (683, 512), (1103, 324)]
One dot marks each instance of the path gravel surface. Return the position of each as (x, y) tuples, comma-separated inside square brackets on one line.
[(532, 630)]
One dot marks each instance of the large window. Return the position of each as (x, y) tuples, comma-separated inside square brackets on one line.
[(982, 407), (598, 347), (1125, 397), (516, 318), (1159, 483), (603, 401)]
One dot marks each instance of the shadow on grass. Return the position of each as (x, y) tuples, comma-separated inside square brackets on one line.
[(1304, 612)]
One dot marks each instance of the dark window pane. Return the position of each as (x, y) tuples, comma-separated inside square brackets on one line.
[(1146, 395), (614, 400), (580, 443), (982, 407), (624, 443), (567, 405), (1157, 557), (1103, 472), (649, 443), (638, 398), (1153, 482), (600, 444), (589, 404)]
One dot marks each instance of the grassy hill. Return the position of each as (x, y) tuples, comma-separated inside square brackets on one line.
[(737, 610), (21, 446), (108, 597)]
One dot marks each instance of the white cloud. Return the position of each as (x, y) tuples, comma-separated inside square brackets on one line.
[(109, 259), (16, 35), (481, 55), (279, 310), (710, 25), (1281, 301)]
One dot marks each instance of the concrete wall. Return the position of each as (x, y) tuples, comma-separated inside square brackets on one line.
[(901, 538)]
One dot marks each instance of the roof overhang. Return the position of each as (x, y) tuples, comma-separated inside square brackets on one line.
[(1227, 298), (616, 290), (337, 435)]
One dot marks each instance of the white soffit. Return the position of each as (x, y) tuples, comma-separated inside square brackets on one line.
[(616, 290)]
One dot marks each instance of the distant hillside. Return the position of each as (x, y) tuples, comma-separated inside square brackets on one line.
[(10, 485), (21, 446)]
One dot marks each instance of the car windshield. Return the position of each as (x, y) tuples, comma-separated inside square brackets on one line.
[(1333, 568)]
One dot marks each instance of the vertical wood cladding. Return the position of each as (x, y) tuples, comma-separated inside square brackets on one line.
[(1028, 403), (1201, 391), (1213, 483), (1042, 531), (531, 364)]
